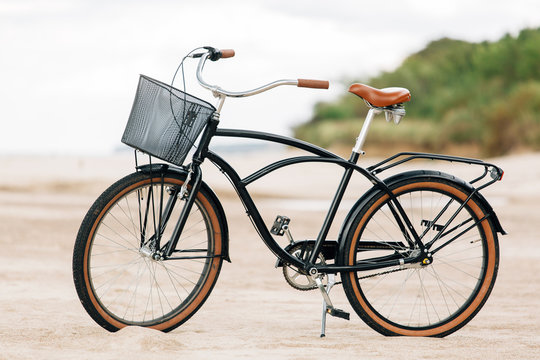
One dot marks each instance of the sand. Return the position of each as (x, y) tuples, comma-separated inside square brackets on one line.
[(252, 313)]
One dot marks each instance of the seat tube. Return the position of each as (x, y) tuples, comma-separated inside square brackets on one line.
[(356, 152), (330, 215)]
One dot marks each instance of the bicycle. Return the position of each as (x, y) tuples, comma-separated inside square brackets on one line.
[(417, 254)]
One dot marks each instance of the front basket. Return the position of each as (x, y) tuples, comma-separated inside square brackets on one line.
[(164, 121)]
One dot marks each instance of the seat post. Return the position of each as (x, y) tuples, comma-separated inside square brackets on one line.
[(363, 133)]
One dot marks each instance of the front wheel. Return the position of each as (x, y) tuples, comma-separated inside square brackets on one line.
[(120, 279), (439, 296)]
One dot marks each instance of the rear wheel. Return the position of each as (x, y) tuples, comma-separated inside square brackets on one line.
[(119, 277), (431, 299)]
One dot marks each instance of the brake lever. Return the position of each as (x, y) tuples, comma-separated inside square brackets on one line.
[(197, 55)]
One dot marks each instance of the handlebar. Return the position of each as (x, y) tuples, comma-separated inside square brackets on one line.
[(314, 84), (227, 53), (215, 54)]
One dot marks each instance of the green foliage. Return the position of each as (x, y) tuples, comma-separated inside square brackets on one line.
[(482, 94)]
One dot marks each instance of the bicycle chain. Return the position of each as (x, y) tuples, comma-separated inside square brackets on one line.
[(341, 282), (373, 275)]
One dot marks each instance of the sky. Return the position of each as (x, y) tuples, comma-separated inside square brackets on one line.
[(69, 68)]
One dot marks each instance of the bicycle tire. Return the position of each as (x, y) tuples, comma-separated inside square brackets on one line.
[(422, 300), (120, 286)]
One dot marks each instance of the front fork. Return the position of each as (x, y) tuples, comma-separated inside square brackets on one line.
[(189, 193)]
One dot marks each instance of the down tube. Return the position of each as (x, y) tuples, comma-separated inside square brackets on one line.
[(251, 209)]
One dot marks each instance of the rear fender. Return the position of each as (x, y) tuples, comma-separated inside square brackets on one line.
[(375, 190)]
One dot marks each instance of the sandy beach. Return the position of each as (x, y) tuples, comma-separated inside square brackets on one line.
[(252, 312)]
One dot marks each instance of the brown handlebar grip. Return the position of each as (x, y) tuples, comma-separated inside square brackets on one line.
[(314, 84), (227, 53)]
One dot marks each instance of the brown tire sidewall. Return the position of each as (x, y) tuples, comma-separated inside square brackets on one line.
[(204, 290), (490, 268)]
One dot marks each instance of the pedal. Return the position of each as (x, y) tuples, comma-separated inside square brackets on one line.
[(339, 313), (280, 225)]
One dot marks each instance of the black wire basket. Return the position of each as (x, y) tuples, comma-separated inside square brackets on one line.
[(164, 121)]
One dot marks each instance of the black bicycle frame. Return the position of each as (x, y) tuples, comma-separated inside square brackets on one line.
[(320, 155), (239, 184)]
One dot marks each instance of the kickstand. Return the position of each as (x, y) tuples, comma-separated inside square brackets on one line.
[(328, 308), (331, 282)]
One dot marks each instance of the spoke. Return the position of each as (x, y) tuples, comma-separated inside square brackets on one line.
[(131, 220), (465, 250), (154, 209), (110, 282), (117, 250), (421, 208), (183, 239), (427, 294), (181, 277), (120, 222), (434, 220), (440, 284), (398, 294), (160, 290), (113, 241), (392, 221), (133, 297), (379, 239), (451, 240), (379, 280), (394, 297), (128, 215), (144, 223), (430, 216), (173, 265), (447, 280), (458, 269), (114, 266), (134, 282), (172, 281), (149, 297), (462, 261), (411, 206)]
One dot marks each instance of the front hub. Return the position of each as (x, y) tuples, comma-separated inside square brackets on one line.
[(149, 253)]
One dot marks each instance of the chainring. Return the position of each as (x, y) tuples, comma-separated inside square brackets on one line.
[(298, 278)]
